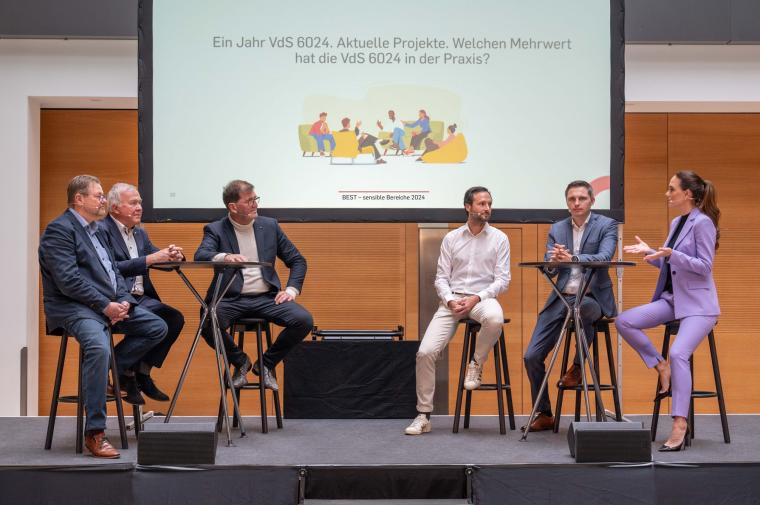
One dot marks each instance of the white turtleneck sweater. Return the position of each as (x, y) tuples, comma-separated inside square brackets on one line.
[(253, 281)]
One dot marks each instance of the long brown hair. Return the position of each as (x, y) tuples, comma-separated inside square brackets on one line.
[(705, 197)]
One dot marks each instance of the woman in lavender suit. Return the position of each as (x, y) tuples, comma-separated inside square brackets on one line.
[(685, 291)]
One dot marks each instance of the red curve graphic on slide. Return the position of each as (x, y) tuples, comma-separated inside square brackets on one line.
[(600, 184)]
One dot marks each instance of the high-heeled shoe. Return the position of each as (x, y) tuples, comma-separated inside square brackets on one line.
[(679, 447), (662, 396)]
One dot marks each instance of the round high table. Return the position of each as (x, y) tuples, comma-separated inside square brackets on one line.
[(209, 307), (588, 269)]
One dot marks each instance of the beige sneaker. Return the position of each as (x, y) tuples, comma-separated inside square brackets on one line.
[(473, 375), (420, 425)]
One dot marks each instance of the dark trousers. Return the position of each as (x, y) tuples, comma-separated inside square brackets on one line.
[(545, 335), (417, 139), (369, 140), (295, 320), (174, 320), (142, 331)]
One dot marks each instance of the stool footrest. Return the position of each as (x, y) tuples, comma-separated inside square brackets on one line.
[(491, 387), (602, 387), (704, 394)]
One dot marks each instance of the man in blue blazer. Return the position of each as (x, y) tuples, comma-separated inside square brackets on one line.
[(134, 253), (584, 236), (84, 294), (243, 235)]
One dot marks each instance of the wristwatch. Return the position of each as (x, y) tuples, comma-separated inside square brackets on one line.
[(575, 259)]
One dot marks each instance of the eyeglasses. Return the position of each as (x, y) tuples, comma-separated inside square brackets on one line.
[(101, 197), (251, 201)]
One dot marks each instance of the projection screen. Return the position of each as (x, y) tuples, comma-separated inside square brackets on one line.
[(519, 96)]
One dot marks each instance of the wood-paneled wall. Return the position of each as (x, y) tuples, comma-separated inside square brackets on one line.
[(366, 275)]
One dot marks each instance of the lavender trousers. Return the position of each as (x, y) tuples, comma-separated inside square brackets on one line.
[(693, 329)]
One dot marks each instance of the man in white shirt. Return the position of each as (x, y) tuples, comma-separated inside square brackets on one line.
[(473, 269), (243, 235), (134, 253), (396, 127), (584, 236)]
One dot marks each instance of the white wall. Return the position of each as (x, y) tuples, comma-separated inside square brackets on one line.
[(35, 73), (57, 73)]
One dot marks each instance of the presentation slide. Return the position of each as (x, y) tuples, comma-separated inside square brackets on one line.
[(344, 111)]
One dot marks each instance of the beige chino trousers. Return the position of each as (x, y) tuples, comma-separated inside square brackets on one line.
[(440, 331)]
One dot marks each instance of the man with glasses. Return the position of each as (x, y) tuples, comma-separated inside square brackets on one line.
[(84, 294), (243, 235)]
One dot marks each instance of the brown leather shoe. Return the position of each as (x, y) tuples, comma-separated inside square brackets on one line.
[(571, 378), (542, 422), (99, 446)]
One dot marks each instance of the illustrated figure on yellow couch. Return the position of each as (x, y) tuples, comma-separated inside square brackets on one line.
[(453, 149), (321, 132)]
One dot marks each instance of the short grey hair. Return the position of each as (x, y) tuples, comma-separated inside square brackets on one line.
[(114, 194)]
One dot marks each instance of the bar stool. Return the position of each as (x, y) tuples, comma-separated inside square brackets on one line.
[(501, 367), (241, 326), (79, 397), (671, 328), (600, 326)]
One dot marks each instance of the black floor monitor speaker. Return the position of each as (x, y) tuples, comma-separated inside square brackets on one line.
[(177, 444), (597, 442)]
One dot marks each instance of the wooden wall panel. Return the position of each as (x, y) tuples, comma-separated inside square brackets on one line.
[(646, 169), (366, 275), (725, 148)]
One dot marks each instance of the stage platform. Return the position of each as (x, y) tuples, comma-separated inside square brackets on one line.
[(365, 459)]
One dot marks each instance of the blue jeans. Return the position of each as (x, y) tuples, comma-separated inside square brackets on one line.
[(142, 331), (398, 138), (321, 141)]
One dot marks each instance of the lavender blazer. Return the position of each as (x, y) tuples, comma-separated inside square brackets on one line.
[(694, 292)]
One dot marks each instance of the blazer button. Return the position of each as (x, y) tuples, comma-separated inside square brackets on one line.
[(674, 272)]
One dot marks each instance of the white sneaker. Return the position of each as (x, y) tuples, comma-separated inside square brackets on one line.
[(420, 425), (473, 375)]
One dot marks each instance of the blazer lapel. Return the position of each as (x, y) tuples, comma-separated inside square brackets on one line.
[(230, 231), (687, 226), (116, 237), (139, 239), (568, 229), (85, 237), (587, 231)]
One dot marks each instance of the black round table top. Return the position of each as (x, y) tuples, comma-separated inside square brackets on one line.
[(571, 264), (171, 265)]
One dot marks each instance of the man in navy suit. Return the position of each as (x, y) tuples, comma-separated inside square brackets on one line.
[(84, 294), (134, 253), (584, 236), (243, 235)]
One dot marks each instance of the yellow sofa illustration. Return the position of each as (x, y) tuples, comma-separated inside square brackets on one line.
[(453, 152), (347, 147)]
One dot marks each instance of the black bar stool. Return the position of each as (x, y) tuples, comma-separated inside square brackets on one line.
[(601, 326), (671, 328), (79, 397), (501, 367), (240, 326)]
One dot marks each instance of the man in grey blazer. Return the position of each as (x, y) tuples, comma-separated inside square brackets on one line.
[(244, 235), (584, 236), (84, 294)]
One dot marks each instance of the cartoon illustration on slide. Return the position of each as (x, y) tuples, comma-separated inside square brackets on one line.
[(424, 124), (351, 143), (396, 128), (321, 132), (421, 139), (452, 149)]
